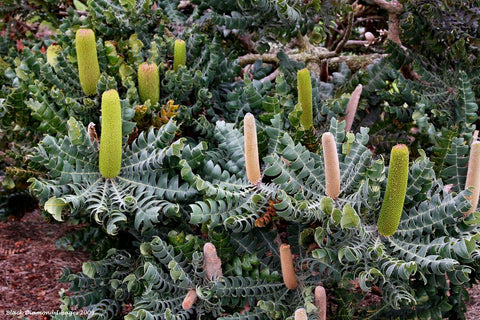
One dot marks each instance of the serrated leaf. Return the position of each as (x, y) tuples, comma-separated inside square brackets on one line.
[(350, 218), (55, 207)]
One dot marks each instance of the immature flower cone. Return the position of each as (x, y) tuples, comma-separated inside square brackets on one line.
[(252, 163), (332, 166), (304, 85), (352, 107), (179, 54), (110, 157), (190, 299), (286, 262), (321, 302), (473, 176), (212, 265), (88, 68), (301, 314), (148, 82), (392, 205)]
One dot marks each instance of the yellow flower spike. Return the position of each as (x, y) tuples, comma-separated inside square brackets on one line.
[(392, 205), (88, 68), (110, 157), (252, 163)]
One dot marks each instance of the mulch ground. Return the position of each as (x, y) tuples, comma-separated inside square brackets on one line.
[(30, 265)]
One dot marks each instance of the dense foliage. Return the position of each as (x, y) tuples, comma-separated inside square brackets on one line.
[(183, 182)]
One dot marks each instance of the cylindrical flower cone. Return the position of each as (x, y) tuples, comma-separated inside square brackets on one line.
[(88, 68), (110, 157)]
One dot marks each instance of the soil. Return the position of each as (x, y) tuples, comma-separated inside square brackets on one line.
[(30, 265)]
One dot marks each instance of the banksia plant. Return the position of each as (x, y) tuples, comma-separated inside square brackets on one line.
[(88, 68), (179, 54), (305, 98), (352, 107), (52, 53), (320, 302), (110, 156), (473, 176), (286, 263), (394, 198), (332, 166), (148, 82), (252, 162)]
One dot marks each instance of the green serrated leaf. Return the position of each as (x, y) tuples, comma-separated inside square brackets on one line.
[(74, 131), (350, 218), (55, 206)]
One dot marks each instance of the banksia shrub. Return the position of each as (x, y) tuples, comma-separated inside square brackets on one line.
[(394, 198), (288, 271), (252, 163), (88, 68), (148, 82), (473, 176), (179, 54), (332, 166), (110, 156), (305, 98)]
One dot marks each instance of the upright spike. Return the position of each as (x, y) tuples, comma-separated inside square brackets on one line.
[(321, 302), (211, 262), (189, 299), (88, 68), (148, 82), (252, 163), (392, 206), (301, 314), (110, 156), (332, 166), (352, 107), (179, 54), (286, 263), (473, 176), (304, 85)]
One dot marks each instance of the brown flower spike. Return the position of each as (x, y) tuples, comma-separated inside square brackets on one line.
[(332, 166), (473, 176), (252, 163), (286, 262)]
